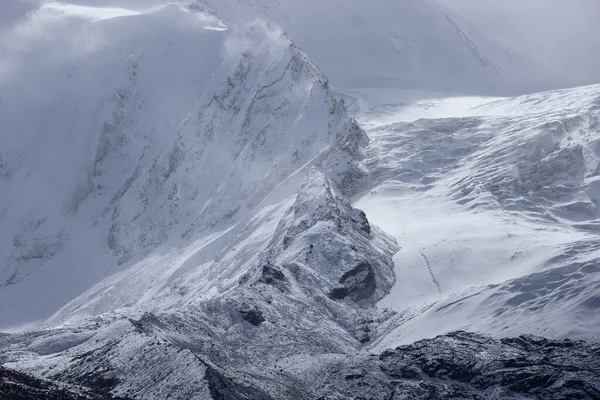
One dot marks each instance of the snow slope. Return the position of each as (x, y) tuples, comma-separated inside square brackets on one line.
[(154, 153), (52, 164), (182, 184), (495, 209)]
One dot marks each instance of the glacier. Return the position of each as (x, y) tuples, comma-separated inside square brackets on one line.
[(253, 200)]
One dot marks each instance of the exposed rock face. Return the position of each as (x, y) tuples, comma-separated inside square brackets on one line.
[(325, 233), (223, 388), (469, 366), (253, 315), (358, 283), (17, 386), (271, 275), (457, 365), (280, 307)]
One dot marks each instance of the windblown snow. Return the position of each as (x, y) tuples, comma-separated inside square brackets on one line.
[(210, 197)]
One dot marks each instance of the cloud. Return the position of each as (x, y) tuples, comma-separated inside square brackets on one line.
[(12, 11), (45, 35), (249, 38)]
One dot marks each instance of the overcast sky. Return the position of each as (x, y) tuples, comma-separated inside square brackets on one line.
[(565, 32)]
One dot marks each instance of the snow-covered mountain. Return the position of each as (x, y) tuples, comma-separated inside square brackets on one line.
[(563, 33), (189, 209), (134, 107), (417, 44), (184, 127)]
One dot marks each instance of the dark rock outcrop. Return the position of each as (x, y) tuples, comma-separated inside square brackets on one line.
[(253, 315), (359, 281), (224, 388), (271, 274), (357, 284), (18, 386), (469, 366)]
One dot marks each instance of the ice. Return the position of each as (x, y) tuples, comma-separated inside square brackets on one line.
[(256, 192), (493, 203)]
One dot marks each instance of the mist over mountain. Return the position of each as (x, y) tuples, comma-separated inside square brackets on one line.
[(563, 33), (285, 199)]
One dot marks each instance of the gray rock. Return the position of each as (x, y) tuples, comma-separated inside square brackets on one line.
[(18, 386)]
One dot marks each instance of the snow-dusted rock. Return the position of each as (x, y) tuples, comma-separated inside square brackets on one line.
[(193, 189), (310, 291), (17, 386)]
